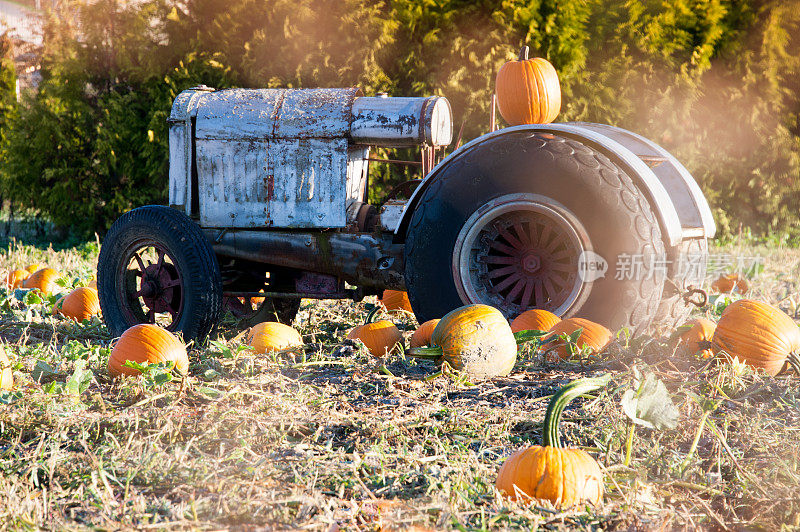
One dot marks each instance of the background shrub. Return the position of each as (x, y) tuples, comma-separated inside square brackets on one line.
[(713, 81)]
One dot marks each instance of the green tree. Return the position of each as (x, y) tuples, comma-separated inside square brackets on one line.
[(714, 81)]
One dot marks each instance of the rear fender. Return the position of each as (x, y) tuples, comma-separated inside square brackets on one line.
[(640, 173)]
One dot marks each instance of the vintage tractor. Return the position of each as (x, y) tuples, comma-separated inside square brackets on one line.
[(268, 205)]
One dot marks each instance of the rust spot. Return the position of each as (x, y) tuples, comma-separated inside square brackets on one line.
[(270, 187)]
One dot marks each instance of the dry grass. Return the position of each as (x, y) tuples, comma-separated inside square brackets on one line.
[(326, 439)]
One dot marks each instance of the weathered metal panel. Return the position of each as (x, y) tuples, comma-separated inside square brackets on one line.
[(391, 214), (383, 121), (184, 108), (306, 113), (231, 181), (179, 165), (357, 168), (278, 183), (275, 113), (309, 183), (237, 114)]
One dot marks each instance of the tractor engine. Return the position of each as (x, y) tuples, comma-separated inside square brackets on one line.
[(288, 158)]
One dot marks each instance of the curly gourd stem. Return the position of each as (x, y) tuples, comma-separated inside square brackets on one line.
[(794, 362), (550, 436), (523, 53), (372, 314)]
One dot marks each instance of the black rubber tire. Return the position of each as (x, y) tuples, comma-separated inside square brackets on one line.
[(194, 259), (673, 310), (615, 213)]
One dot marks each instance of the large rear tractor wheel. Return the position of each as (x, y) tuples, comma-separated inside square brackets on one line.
[(531, 220)]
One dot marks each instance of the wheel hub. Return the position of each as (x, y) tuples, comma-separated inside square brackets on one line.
[(531, 263), (521, 251), (153, 285)]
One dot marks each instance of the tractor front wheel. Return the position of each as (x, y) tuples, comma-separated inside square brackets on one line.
[(155, 266)]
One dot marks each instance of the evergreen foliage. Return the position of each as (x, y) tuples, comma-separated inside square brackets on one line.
[(8, 86), (713, 81)]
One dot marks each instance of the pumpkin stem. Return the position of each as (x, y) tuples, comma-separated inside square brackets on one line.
[(372, 314), (424, 352), (523, 52), (550, 436), (794, 362)]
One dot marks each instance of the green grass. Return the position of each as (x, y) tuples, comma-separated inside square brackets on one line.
[(323, 437)]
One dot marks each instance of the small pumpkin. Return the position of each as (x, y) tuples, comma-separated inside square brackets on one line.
[(380, 336), (535, 319), (593, 335), (563, 476), (92, 283), (15, 278), (696, 337), (33, 267), (6, 375), (147, 343), (422, 336), (726, 283), (475, 339), (528, 91), (44, 280), (396, 300), (273, 336), (80, 304), (759, 335)]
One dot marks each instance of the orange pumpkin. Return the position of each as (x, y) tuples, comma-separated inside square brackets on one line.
[(44, 280), (528, 91), (6, 375), (396, 300), (475, 339), (593, 335), (80, 304), (422, 336), (534, 319), (147, 343), (758, 334), (15, 278), (563, 476), (273, 336), (57, 306), (696, 339), (33, 267), (726, 283), (379, 337)]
